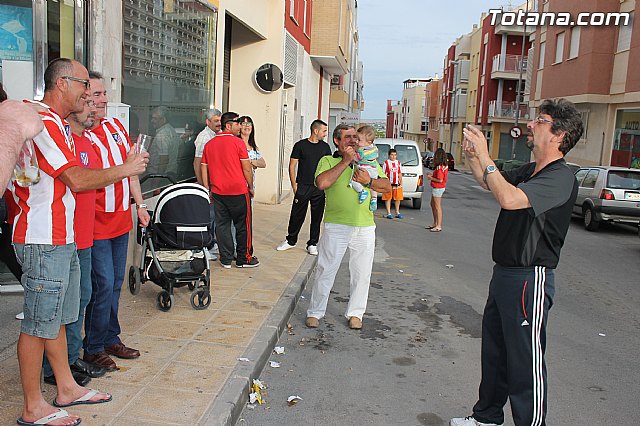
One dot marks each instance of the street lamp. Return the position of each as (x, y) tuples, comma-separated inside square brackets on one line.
[(524, 35)]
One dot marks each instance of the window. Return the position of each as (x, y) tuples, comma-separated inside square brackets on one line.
[(624, 35), (580, 174), (543, 49), (575, 42), (559, 47), (307, 19), (590, 180), (292, 10), (584, 116)]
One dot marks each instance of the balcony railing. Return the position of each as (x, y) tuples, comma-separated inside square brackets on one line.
[(507, 110), (509, 63)]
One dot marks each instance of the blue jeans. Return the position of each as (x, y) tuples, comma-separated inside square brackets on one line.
[(51, 281), (74, 329), (101, 326)]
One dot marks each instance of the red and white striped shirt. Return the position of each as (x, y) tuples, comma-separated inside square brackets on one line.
[(46, 210), (113, 214), (392, 169)]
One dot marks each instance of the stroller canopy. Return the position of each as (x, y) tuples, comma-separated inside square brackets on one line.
[(181, 218)]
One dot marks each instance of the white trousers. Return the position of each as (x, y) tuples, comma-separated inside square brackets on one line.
[(336, 238)]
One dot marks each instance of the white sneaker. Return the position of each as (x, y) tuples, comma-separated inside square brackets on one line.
[(215, 249), (284, 246), (313, 250), (212, 255), (469, 421), (20, 316)]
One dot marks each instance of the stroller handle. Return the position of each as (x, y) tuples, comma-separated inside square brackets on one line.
[(157, 175)]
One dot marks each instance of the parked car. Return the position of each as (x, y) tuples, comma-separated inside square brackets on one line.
[(607, 194), (412, 172), (427, 158), (451, 163)]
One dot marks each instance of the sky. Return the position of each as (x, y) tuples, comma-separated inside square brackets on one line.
[(403, 39)]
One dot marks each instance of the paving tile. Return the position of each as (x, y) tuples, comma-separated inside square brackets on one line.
[(224, 292), (248, 306), (154, 347), (172, 329), (197, 377), (139, 371), (184, 312), (9, 411), (260, 295), (239, 319), (129, 421), (211, 353), (226, 334), (169, 405)]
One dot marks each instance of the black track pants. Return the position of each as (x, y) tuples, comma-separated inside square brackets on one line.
[(305, 195), (513, 345)]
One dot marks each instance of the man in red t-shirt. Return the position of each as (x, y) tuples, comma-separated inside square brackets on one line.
[(227, 172), (111, 237)]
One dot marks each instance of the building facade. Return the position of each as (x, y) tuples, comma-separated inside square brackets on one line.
[(182, 57), (607, 92)]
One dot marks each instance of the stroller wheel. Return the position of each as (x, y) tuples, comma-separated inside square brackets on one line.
[(200, 299), (164, 300), (134, 280)]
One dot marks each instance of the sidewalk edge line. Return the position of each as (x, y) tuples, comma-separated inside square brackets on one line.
[(230, 401)]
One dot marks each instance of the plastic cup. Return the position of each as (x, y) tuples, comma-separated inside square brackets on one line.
[(142, 144), (26, 171)]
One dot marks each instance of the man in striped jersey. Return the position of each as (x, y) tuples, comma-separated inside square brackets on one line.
[(44, 241), (111, 237), (536, 201)]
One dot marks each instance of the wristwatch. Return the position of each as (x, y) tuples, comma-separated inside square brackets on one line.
[(490, 169), (142, 206)]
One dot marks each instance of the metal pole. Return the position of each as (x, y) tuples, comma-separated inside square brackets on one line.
[(524, 36)]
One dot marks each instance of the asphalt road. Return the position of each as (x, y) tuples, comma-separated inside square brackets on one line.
[(416, 362)]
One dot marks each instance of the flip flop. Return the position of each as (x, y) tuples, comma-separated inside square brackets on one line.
[(60, 414), (429, 227), (435, 229), (83, 400)]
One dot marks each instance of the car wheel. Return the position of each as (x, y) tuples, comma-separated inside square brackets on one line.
[(417, 203), (589, 219)]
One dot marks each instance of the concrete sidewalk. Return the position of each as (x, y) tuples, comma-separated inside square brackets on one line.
[(189, 371)]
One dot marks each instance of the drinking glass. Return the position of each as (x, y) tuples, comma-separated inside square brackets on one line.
[(26, 171), (142, 144)]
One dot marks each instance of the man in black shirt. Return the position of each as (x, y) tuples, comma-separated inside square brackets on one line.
[(536, 202), (305, 156)]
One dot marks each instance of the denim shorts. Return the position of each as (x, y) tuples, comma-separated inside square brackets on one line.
[(51, 281), (437, 192)]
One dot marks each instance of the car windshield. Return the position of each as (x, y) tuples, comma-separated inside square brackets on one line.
[(624, 179), (408, 155)]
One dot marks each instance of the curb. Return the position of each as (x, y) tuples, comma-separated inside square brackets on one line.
[(230, 401)]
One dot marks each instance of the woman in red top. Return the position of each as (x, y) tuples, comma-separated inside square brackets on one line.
[(438, 183)]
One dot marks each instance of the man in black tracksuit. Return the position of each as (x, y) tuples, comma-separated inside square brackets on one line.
[(305, 156), (536, 201)]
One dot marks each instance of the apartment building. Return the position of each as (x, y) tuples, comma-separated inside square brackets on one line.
[(334, 45), (433, 91), (597, 69), (411, 112), (502, 72), (455, 84)]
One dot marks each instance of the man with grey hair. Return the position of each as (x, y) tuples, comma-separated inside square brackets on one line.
[(347, 224), (163, 152), (212, 117)]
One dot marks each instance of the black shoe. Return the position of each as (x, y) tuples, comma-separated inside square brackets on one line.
[(80, 378), (252, 263), (88, 369)]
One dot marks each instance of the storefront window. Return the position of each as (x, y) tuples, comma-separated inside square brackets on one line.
[(626, 145), (168, 67), (16, 42)]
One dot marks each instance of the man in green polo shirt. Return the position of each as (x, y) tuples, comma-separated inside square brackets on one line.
[(347, 224)]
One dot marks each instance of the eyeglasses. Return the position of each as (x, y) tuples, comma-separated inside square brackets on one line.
[(235, 120), (246, 124), (79, 80), (540, 119)]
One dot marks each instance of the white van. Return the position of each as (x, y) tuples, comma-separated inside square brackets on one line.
[(409, 156)]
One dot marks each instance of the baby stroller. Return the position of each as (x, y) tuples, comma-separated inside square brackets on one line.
[(179, 222)]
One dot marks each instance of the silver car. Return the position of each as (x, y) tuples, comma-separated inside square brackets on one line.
[(607, 194)]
